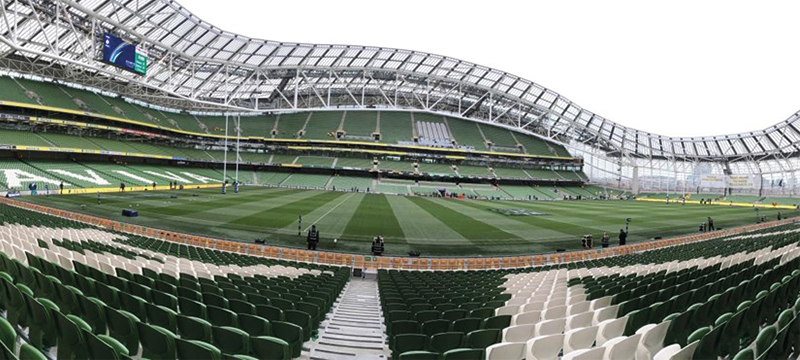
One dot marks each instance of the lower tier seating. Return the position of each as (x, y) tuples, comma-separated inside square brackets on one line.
[(78, 291), (732, 297)]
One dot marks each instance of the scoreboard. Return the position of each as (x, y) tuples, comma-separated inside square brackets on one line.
[(124, 55)]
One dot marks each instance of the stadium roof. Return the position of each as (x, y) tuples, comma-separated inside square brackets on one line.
[(194, 65)]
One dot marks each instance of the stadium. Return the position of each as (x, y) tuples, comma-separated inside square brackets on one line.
[(172, 190)]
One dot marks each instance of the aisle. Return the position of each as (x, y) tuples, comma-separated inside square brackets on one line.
[(355, 326)]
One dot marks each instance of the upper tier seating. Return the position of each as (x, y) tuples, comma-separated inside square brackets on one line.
[(467, 133), (394, 127), (360, 125), (93, 293), (322, 124)]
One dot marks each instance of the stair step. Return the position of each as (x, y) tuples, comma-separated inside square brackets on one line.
[(354, 327)]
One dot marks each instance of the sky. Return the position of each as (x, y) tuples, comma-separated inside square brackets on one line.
[(678, 68)]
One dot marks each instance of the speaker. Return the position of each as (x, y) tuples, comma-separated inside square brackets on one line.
[(130, 213), (657, 238), (561, 250)]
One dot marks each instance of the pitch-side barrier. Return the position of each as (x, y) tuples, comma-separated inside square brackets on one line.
[(388, 262)]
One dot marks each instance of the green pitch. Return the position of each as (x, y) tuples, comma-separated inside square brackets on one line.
[(430, 226)]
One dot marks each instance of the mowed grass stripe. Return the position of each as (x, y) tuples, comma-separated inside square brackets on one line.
[(541, 222), (284, 215), (651, 217), (231, 213), (332, 218), (516, 228), (374, 216), (421, 229), (154, 200), (184, 208), (467, 227)]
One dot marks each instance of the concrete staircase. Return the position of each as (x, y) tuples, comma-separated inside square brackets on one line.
[(354, 328)]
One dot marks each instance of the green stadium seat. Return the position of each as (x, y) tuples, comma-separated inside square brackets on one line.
[(419, 355), (497, 322), (425, 315), (195, 349), (122, 326), (105, 347), (29, 352), (270, 312), (268, 347), (464, 354), (481, 339), (218, 316), (231, 340), (454, 314), (71, 341), (765, 340), (254, 325), (162, 317), (466, 325), (194, 328), (134, 305), (17, 305), (745, 354), (446, 341), (8, 335), (290, 333), (42, 330), (156, 342), (300, 319), (408, 342), (433, 327)]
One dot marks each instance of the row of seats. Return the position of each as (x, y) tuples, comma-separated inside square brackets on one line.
[(733, 296), (68, 284), (450, 313), (656, 305), (394, 126)]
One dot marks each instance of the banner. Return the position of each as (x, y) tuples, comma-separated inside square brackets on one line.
[(744, 181), (730, 181), (712, 181)]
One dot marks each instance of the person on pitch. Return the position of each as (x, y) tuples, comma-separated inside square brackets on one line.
[(377, 246), (623, 237), (312, 238), (711, 224), (604, 240)]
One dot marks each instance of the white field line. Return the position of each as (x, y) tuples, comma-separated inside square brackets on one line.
[(328, 212)]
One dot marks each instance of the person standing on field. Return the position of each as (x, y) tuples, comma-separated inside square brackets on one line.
[(313, 238)]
